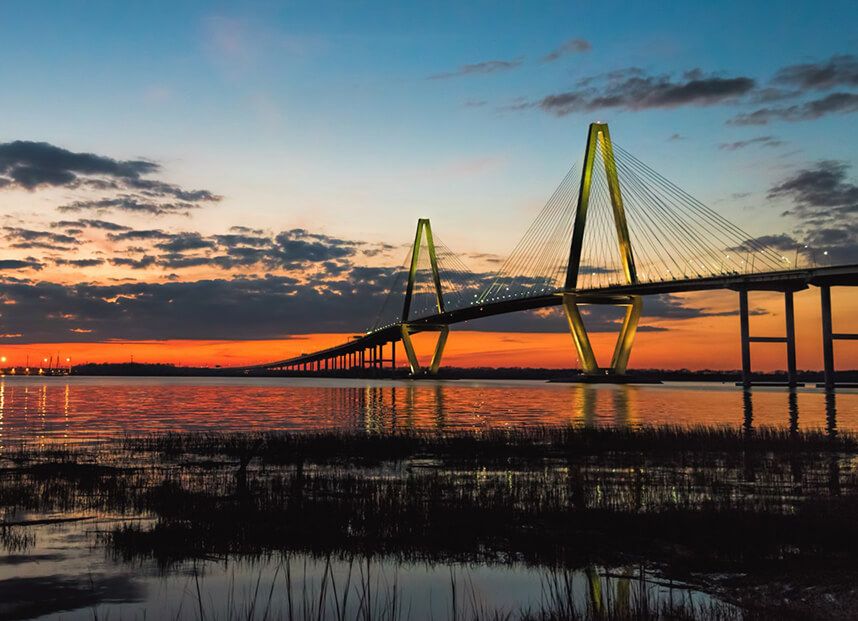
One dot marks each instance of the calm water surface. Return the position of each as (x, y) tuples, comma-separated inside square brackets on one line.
[(63, 570), (75, 409)]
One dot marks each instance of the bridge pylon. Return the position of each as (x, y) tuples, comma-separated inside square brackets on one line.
[(424, 229), (600, 138)]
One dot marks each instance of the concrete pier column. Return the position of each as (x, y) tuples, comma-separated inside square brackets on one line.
[(746, 337), (827, 337), (789, 315)]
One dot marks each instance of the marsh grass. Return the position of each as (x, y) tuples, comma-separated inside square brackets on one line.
[(691, 500)]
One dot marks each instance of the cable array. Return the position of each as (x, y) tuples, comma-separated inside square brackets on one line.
[(673, 237), (459, 286), (537, 265), (391, 310)]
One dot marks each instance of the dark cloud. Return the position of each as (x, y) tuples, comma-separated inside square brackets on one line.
[(79, 262), (135, 264), (839, 70), (246, 257), (40, 245), (154, 188), (632, 90), (770, 94), (822, 187), (31, 164), (178, 261), (139, 234), (252, 308), (131, 204), (16, 264), (30, 235), (243, 239), (288, 250), (182, 242), (825, 204), (246, 230), (570, 47), (840, 103), (764, 141), (300, 246), (489, 66), (377, 249), (781, 242), (333, 268), (37, 239), (373, 276), (93, 224)]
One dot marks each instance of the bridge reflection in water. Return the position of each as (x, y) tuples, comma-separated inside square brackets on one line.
[(89, 409), (392, 408)]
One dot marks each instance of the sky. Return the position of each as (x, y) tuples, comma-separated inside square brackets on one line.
[(229, 183)]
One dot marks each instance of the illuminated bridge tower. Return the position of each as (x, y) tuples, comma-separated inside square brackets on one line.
[(407, 329), (600, 138)]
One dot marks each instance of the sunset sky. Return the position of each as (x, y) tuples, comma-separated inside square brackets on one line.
[(215, 183)]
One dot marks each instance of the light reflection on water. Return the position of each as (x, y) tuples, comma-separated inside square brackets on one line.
[(67, 569), (64, 578), (77, 409)]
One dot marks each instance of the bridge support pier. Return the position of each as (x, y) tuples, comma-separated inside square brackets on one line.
[(829, 336), (413, 362), (625, 339), (789, 339)]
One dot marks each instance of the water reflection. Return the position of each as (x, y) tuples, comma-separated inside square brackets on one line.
[(831, 412), (73, 409), (792, 410), (748, 409)]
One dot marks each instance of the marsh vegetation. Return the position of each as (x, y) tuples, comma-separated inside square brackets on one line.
[(761, 520)]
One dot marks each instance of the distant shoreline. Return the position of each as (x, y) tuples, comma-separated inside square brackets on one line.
[(135, 369)]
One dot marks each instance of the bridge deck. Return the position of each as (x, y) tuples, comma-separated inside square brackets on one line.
[(792, 280)]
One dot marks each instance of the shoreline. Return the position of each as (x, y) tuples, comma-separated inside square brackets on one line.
[(634, 376)]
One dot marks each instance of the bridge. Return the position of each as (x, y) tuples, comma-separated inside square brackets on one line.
[(612, 233)]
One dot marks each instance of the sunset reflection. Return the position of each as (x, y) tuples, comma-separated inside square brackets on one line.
[(86, 409)]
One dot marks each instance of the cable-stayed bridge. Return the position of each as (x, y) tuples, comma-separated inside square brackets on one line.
[(613, 232)]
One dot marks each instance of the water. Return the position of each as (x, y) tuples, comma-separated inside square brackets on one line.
[(50, 568), (83, 409), (61, 579)]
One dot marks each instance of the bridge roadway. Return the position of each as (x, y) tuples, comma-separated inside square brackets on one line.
[(790, 280)]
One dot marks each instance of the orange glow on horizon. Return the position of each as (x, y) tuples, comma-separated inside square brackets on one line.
[(709, 342)]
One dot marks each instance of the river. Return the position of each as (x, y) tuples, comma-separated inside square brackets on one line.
[(85, 409)]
